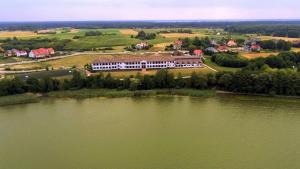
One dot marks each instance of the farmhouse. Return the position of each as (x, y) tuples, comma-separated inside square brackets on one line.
[(231, 43), (211, 50), (223, 49), (198, 52), (255, 48), (41, 53), (142, 45), (177, 44), (19, 53), (147, 62)]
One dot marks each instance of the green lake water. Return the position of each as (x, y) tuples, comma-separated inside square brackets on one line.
[(233, 132)]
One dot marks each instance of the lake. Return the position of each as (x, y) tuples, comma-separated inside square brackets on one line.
[(232, 132)]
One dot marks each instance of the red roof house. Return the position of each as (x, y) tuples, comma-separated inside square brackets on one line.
[(255, 48), (198, 52), (222, 49), (231, 43), (41, 53), (177, 44)]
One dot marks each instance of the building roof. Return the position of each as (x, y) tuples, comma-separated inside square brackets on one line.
[(178, 42), (42, 51), (231, 43), (152, 58), (198, 52), (255, 47), (220, 48)]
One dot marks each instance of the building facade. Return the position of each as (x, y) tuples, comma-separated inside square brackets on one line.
[(148, 62)]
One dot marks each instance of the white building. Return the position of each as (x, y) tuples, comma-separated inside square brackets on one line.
[(147, 62)]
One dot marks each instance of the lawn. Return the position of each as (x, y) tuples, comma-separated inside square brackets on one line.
[(12, 59), (213, 65)]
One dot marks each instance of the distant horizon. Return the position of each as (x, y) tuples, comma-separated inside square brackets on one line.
[(160, 20)]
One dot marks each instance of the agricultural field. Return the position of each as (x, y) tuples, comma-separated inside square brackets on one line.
[(257, 55), (17, 34), (296, 49), (128, 32)]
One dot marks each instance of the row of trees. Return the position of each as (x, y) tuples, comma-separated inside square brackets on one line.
[(280, 45), (27, 44), (229, 60), (189, 31), (280, 61), (281, 82), (292, 31)]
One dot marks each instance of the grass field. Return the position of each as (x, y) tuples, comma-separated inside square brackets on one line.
[(257, 55), (213, 65)]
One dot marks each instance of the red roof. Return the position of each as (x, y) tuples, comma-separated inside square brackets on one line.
[(255, 47), (178, 42), (222, 48), (43, 51), (198, 52)]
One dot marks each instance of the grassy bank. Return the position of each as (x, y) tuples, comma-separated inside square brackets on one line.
[(18, 99), (90, 93)]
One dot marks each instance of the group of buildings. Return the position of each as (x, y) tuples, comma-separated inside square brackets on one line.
[(146, 62), (231, 45), (34, 54)]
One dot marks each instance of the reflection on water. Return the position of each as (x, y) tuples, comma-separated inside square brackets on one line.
[(157, 132)]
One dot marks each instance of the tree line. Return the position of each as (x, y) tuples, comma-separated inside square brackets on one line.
[(280, 30), (28, 44), (275, 82)]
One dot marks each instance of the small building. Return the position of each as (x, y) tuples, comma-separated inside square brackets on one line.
[(231, 43), (19, 53), (211, 50), (177, 45), (255, 48), (142, 45), (198, 52), (223, 48), (148, 62), (8, 53), (41, 53), (214, 42)]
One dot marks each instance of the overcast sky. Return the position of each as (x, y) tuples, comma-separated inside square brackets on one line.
[(74, 10)]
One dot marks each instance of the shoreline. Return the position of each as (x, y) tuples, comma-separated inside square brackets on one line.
[(114, 93)]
